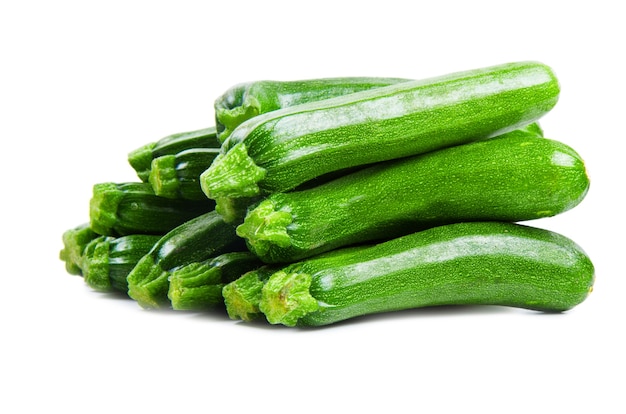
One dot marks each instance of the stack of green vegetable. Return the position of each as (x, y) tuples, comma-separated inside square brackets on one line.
[(316, 201)]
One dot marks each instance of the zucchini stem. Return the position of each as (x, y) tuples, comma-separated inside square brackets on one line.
[(231, 117), (163, 177), (285, 298), (196, 286), (148, 284), (232, 174), (243, 296), (265, 226)]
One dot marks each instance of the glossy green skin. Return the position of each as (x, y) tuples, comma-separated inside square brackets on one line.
[(234, 210), (107, 261), (513, 178), (480, 263), (141, 158), (247, 100), (198, 286), (196, 240), (178, 175), (283, 149), (118, 209)]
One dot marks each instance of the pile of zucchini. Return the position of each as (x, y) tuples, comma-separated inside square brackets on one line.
[(312, 202)]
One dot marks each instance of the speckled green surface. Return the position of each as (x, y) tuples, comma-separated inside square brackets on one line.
[(247, 100), (481, 263), (509, 179), (291, 146)]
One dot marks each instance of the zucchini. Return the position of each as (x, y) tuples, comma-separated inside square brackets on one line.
[(178, 175), (196, 240), (141, 158), (118, 209), (480, 263), (247, 100), (512, 178), (107, 261), (198, 286), (280, 150), (74, 242)]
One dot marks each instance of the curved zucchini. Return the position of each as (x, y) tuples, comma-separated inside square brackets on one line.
[(280, 150), (118, 209), (196, 240), (178, 175), (477, 263), (512, 178), (198, 286), (141, 158), (107, 261), (247, 100)]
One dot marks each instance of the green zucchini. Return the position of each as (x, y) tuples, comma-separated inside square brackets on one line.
[(512, 178), (107, 261), (141, 158), (280, 150), (178, 175), (198, 285), (74, 242), (196, 240), (247, 100), (479, 263), (118, 209)]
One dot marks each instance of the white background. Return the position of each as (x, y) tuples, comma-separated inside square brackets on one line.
[(83, 83)]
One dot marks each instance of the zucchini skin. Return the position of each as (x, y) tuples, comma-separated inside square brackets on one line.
[(196, 240), (513, 178), (178, 175), (141, 158), (280, 150), (119, 209), (476, 263), (247, 100), (234, 210)]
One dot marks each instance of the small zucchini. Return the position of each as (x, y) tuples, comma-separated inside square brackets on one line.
[(479, 263), (118, 209), (196, 240), (247, 100), (107, 261), (512, 178), (141, 158), (178, 175), (280, 150), (198, 286)]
